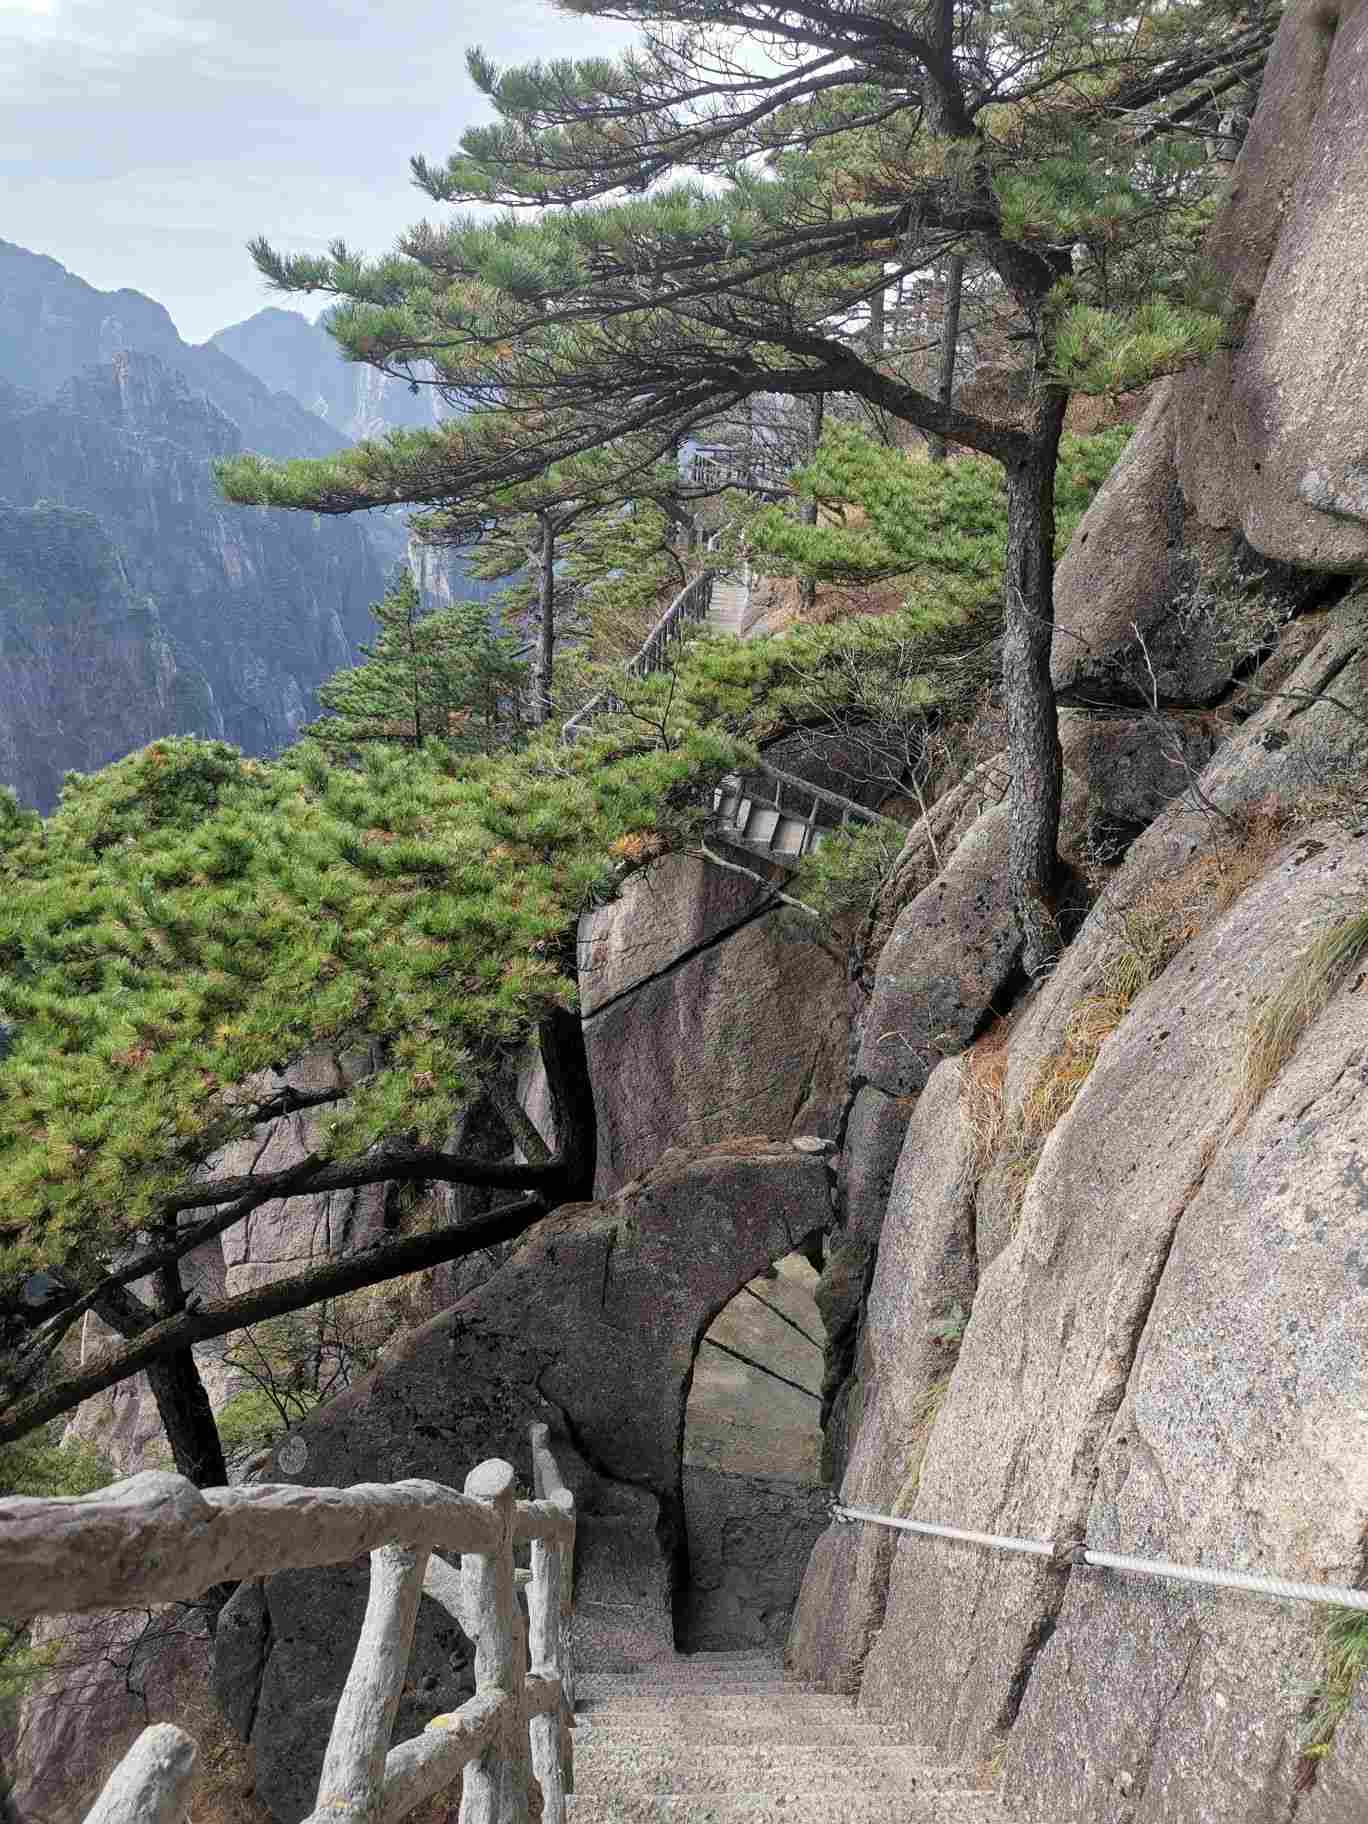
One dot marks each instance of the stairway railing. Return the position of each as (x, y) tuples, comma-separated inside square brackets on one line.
[(156, 1538), (781, 814), (687, 609)]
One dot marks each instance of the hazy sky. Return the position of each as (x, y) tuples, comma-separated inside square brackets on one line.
[(143, 145)]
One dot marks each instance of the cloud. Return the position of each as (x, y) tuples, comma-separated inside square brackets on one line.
[(143, 145)]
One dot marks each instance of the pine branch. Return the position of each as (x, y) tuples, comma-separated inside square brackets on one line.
[(218, 1317)]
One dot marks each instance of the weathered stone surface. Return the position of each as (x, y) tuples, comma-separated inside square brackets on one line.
[(745, 1035), (662, 916), (591, 1326), (1051, 1351), (1239, 1442), (951, 951), (749, 1541), (1116, 573), (112, 1673), (1132, 766), (926, 1268), (1271, 440), (875, 1129)]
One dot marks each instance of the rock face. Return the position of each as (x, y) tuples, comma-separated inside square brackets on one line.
[(53, 326), (1166, 1358), (707, 1012), (221, 620), (591, 1326), (290, 355), (1257, 460), (86, 670)]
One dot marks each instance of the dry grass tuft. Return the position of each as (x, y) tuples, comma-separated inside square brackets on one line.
[(1346, 1657), (1278, 1025), (1149, 933), (983, 1081), (924, 1418)]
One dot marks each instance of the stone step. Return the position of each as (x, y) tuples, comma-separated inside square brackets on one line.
[(815, 1708), (657, 1731), (701, 1678), (707, 1767), (789, 1804), (685, 1690)]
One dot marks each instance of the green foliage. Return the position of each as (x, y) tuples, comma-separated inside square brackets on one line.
[(1111, 351), (1346, 1657), (254, 912), (40, 1464), (443, 676), (942, 526), (254, 1418), (842, 876)]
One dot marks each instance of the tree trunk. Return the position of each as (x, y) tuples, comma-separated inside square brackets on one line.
[(1032, 724), (546, 632), (188, 1419), (945, 385), (807, 509)]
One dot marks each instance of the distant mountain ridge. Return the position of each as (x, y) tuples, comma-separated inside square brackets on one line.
[(134, 600), (290, 355), (53, 324)]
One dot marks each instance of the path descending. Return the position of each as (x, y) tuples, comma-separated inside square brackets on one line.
[(728, 606), (727, 1738)]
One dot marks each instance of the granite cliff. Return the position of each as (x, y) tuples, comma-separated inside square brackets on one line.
[(214, 620)]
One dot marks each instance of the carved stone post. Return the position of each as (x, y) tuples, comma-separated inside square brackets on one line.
[(495, 1788), (350, 1788)]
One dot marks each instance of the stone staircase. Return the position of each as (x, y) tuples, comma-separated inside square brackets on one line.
[(729, 608), (718, 1737)]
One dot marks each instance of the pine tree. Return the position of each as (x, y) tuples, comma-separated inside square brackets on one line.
[(620, 298), (444, 675)]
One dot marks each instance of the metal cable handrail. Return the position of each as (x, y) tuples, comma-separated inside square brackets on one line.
[(1073, 1552)]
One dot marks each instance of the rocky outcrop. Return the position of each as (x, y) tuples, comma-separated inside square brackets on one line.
[(591, 1327), (707, 1012), (290, 355), (53, 326), (1247, 475), (87, 673), (243, 613), (749, 1542), (1177, 1381)]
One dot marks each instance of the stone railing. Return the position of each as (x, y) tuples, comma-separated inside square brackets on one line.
[(784, 816), (688, 609), (734, 468), (156, 1538)]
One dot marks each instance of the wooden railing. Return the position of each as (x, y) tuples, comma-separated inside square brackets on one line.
[(157, 1538)]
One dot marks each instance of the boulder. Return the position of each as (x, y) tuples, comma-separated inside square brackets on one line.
[(1271, 439), (1074, 1408), (926, 1272), (591, 1326), (951, 951), (709, 1011), (663, 916), (1258, 454), (1305, 745)]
